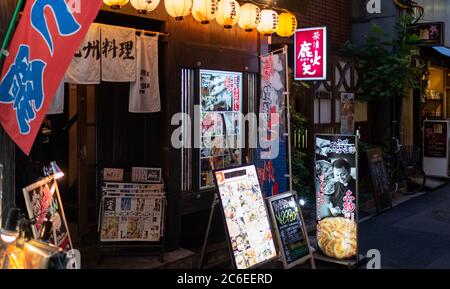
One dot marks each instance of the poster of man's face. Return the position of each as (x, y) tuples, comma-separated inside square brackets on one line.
[(336, 195)]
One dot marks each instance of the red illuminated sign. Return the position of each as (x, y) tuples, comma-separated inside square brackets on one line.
[(311, 53)]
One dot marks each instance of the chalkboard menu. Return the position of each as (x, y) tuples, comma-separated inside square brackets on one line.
[(289, 228), (435, 140), (380, 182)]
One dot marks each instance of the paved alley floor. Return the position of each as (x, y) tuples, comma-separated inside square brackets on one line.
[(412, 235)]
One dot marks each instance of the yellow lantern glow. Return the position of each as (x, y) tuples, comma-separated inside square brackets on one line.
[(178, 8), (144, 6), (250, 17), (287, 24), (204, 10), (269, 22), (228, 13), (115, 4)]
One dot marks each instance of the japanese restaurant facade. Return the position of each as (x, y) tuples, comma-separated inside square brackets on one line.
[(97, 131)]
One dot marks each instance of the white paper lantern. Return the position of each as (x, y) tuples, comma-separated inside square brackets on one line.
[(204, 10), (115, 4), (178, 8), (144, 6), (228, 13), (269, 22), (250, 17)]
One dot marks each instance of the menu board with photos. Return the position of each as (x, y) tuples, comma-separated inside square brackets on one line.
[(289, 228), (221, 126), (132, 212), (246, 218)]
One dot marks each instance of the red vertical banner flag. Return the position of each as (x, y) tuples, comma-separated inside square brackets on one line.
[(46, 39), (311, 53)]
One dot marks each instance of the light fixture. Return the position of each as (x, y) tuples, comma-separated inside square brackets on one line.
[(250, 17), (204, 10), (287, 24), (269, 22), (9, 233), (144, 6), (228, 13), (115, 4), (53, 170), (178, 8), (302, 202)]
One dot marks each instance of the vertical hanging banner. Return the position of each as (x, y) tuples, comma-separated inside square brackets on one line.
[(310, 54), (271, 151), (47, 37), (337, 196)]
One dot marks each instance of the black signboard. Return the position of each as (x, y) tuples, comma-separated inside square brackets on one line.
[(430, 33), (380, 182), (435, 140), (288, 224)]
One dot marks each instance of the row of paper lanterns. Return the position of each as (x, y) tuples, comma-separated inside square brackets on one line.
[(226, 12)]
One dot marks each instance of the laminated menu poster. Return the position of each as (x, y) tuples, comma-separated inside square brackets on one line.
[(132, 214), (247, 222), (289, 229), (336, 196), (41, 198)]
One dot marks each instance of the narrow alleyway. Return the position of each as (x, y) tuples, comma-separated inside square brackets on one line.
[(414, 234)]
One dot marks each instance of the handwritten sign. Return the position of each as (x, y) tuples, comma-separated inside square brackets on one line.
[(380, 181), (289, 229)]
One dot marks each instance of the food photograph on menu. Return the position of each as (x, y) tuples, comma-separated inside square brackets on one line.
[(221, 127), (336, 189), (246, 217)]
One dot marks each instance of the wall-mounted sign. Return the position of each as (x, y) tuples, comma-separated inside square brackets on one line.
[(146, 175), (431, 33), (289, 229), (247, 222), (337, 196), (347, 113), (310, 53), (112, 175)]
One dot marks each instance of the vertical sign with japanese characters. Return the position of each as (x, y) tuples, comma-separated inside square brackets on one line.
[(336, 196), (311, 53), (47, 37), (271, 152)]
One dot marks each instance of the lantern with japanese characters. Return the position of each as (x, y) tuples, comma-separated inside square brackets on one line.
[(144, 6), (287, 24), (115, 4), (204, 10), (250, 17), (178, 8), (269, 22), (228, 12)]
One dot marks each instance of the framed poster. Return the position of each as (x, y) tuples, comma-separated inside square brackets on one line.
[(146, 175), (246, 220), (380, 182), (336, 196), (43, 197), (220, 121), (289, 229), (347, 113)]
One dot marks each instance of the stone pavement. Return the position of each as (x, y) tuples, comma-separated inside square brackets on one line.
[(412, 235)]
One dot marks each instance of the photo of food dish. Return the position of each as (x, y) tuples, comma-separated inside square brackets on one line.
[(110, 228)]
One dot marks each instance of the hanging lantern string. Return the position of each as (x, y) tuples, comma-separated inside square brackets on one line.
[(268, 5)]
